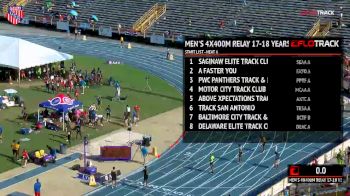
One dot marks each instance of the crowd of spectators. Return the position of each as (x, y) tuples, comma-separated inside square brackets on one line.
[(70, 81)]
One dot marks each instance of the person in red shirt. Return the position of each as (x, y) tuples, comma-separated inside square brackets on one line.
[(71, 85), (62, 84), (76, 93), (137, 108), (314, 161), (25, 157), (222, 24), (23, 74)]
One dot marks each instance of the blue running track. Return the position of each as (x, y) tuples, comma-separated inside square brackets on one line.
[(37, 171)]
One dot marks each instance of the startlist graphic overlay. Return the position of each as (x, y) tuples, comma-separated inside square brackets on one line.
[(262, 85)]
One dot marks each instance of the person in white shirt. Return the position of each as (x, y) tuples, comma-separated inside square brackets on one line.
[(341, 18), (119, 28), (118, 93), (251, 30)]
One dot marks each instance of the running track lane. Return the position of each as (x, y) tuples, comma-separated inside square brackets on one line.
[(39, 170)]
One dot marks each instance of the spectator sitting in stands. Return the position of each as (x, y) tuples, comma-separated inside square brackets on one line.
[(56, 14), (166, 33), (74, 4), (269, 32), (49, 6), (119, 28), (222, 24), (61, 17), (251, 30)]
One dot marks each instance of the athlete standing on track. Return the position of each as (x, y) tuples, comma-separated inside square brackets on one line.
[(145, 176), (211, 162), (276, 149), (37, 187), (114, 177), (240, 153), (263, 142), (277, 159)]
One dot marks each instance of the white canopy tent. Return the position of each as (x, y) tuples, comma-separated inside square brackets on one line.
[(20, 54)]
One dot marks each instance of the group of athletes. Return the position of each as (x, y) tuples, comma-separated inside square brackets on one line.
[(240, 155)]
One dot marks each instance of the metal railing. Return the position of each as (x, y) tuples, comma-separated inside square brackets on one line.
[(314, 29), (325, 29), (148, 19)]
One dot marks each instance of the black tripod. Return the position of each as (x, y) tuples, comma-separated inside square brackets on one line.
[(147, 87)]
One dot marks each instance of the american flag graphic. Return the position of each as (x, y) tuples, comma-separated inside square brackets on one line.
[(15, 14)]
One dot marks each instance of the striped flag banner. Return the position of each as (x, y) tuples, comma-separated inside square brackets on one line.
[(15, 14)]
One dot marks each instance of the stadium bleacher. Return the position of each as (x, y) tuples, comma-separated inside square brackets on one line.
[(110, 13), (3, 3), (205, 17), (283, 16)]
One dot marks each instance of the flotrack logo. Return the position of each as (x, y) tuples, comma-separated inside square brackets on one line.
[(317, 13)]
